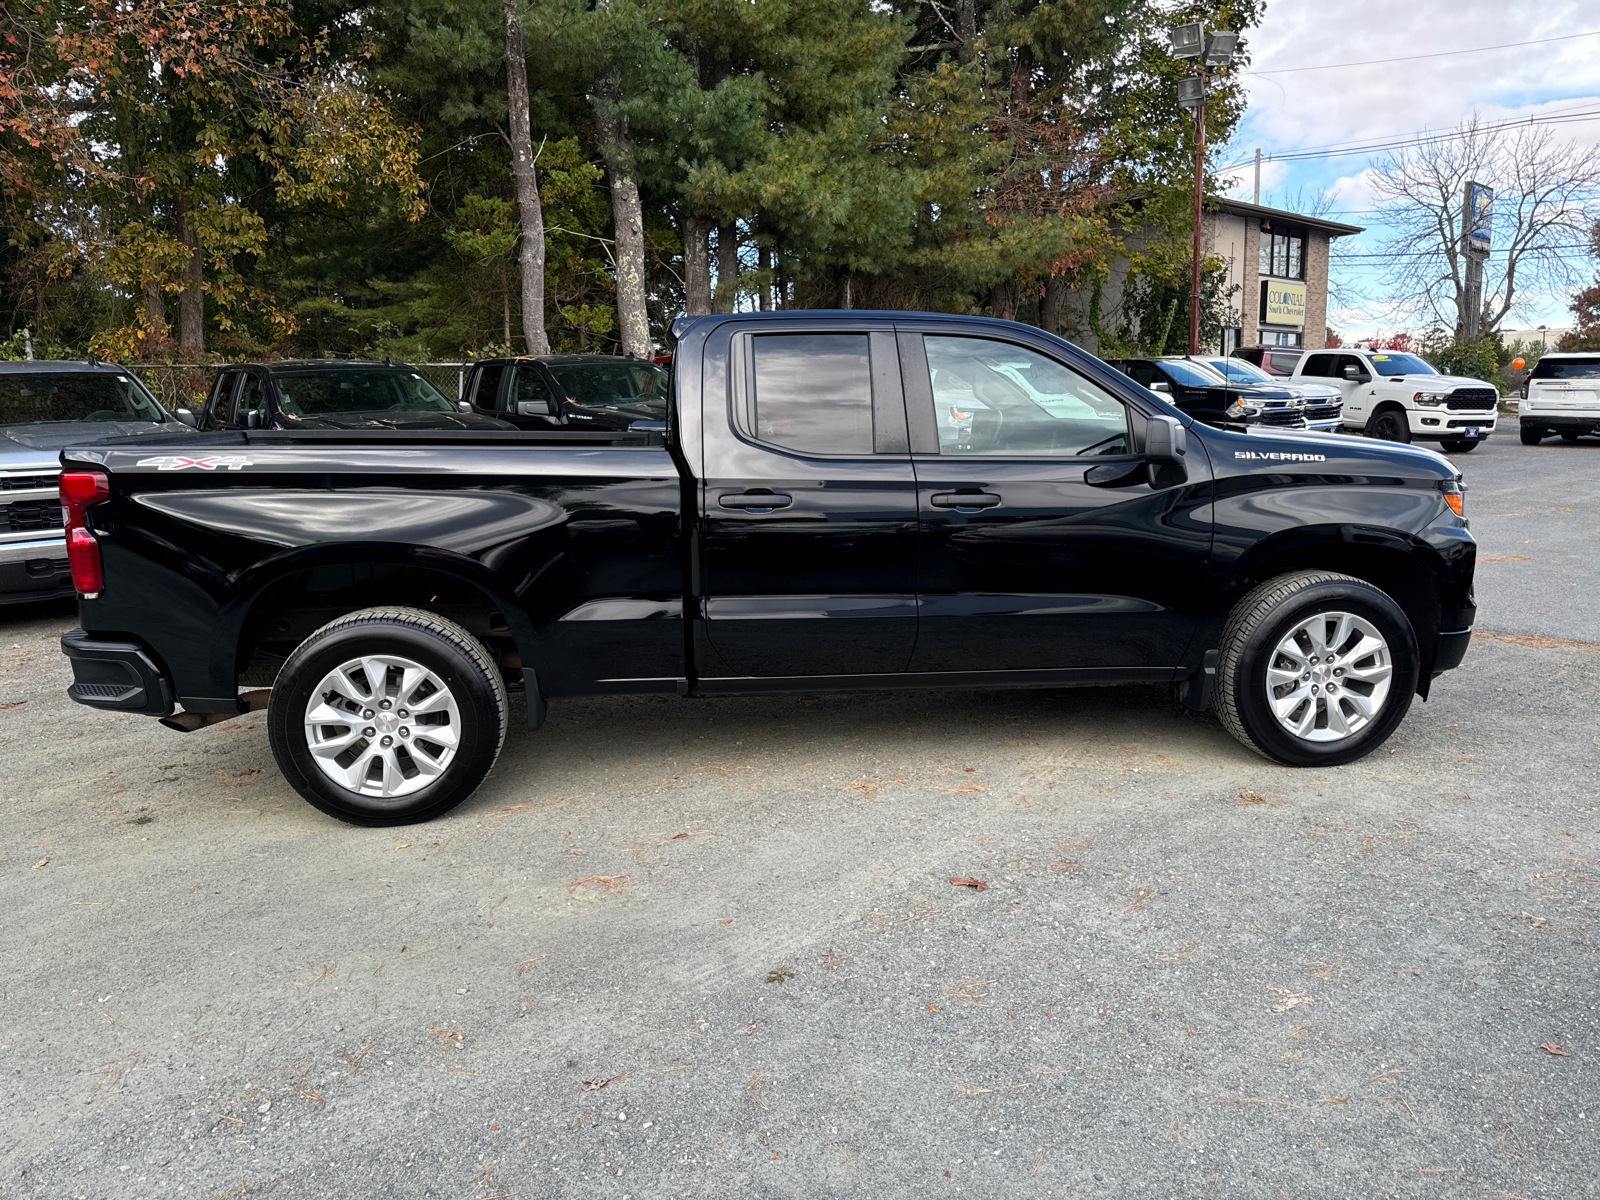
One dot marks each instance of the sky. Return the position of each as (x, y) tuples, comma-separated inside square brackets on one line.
[(1294, 110)]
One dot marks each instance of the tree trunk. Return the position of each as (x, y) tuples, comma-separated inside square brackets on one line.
[(727, 293), (1003, 300), (696, 265), (616, 147), (764, 262), (847, 289), (966, 28), (191, 300), (505, 302), (1050, 306), (522, 169)]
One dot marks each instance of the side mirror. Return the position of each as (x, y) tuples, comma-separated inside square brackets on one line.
[(1161, 387), (252, 419), (464, 405), (1356, 375), (533, 408), (186, 416), (1165, 440)]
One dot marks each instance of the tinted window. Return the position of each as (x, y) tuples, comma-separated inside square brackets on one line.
[(1282, 254), (252, 399), (487, 389), (307, 393), (992, 397), (813, 392), (1192, 374), (1140, 372), (1283, 362), (1566, 368), (531, 385), (607, 383), (1320, 365), (1388, 362), (50, 396), (1238, 371)]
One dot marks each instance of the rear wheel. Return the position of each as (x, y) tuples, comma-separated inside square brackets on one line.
[(1315, 669), (387, 716), (1390, 425), (1459, 445), (1530, 437)]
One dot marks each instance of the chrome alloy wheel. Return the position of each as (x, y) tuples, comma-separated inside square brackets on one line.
[(382, 726), (1329, 676)]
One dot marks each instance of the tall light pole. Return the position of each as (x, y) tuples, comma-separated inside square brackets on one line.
[(1208, 50)]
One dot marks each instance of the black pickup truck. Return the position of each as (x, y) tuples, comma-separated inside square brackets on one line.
[(810, 519)]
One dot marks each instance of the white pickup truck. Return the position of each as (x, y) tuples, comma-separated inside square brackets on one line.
[(1398, 397)]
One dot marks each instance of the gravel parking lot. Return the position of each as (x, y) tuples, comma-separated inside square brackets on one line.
[(711, 948)]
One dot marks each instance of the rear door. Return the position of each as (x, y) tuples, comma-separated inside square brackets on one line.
[(1023, 565), (808, 536)]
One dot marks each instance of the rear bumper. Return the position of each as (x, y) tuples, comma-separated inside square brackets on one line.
[(1558, 424), (1452, 649), (115, 675)]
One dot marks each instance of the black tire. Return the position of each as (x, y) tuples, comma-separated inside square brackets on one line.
[(1569, 435), (440, 646), (1459, 445), (1254, 629), (1390, 425), (1530, 437)]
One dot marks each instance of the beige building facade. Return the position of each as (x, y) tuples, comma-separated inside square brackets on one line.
[(1276, 266)]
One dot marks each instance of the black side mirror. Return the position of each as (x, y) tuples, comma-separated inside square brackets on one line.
[(1356, 375), (252, 419), (186, 416), (1166, 445)]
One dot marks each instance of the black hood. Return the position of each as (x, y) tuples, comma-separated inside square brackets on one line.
[(1262, 391), (398, 420), (57, 435)]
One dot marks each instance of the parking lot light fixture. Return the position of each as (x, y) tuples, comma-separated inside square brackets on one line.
[(1188, 41), (1220, 46)]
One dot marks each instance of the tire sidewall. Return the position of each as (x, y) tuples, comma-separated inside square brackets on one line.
[(1250, 683), (310, 664), (1387, 420)]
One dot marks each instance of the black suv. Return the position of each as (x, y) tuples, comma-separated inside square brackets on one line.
[(334, 394), (570, 391), (1206, 394)]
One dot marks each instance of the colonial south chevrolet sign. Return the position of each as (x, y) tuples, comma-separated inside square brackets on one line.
[(1282, 302)]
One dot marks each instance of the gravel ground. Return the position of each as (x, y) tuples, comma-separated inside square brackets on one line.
[(1192, 974)]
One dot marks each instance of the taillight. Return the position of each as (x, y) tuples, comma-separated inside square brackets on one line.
[(80, 489)]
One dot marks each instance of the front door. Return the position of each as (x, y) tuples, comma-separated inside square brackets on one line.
[(808, 536), (1022, 564), (530, 402)]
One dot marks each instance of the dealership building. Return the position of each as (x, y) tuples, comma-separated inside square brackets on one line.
[(1277, 276)]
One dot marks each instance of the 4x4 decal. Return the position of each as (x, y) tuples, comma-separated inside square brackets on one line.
[(209, 462)]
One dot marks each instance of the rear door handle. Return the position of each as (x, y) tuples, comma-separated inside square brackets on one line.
[(964, 501), (754, 500)]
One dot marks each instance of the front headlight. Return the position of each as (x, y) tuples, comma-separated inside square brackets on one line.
[(1239, 409), (1431, 399)]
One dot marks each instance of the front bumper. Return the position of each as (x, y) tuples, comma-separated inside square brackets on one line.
[(35, 570), (1439, 425), (116, 675)]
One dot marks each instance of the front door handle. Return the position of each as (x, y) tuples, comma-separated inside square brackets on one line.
[(756, 501), (964, 501)]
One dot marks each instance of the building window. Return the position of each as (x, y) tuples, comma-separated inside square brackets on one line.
[(1279, 337), (1283, 255)]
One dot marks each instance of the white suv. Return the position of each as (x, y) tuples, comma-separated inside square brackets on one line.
[(1561, 395), (1398, 397)]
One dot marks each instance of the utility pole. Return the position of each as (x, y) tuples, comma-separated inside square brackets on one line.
[(1258, 175), (1214, 50)]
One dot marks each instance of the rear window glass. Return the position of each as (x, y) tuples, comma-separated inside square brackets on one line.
[(313, 393), (47, 397), (1567, 368), (813, 392)]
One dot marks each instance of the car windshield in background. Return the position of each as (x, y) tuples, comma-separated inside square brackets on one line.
[(605, 383), (49, 396), (317, 393), (1566, 368), (1193, 374), (1239, 371), (1400, 364)]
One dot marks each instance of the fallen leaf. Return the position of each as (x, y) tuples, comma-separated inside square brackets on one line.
[(13, 704), (975, 884), (1552, 1048), (1334, 1100), (676, 836), (43, 861), (1529, 917), (451, 1037), (1288, 998), (1246, 796), (600, 1081)]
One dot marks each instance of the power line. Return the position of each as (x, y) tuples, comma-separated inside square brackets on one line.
[(1373, 62)]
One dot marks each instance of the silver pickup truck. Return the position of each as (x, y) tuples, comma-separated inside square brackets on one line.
[(45, 406)]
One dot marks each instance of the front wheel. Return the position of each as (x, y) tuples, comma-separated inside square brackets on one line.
[(1390, 426), (1459, 445), (387, 716), (1315, 669)]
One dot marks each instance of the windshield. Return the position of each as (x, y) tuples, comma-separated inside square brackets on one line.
[(1566, 368), (1192, 374), (1400, 364), (28, 398), (603, 384), (315, 393), (1239, 371)]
